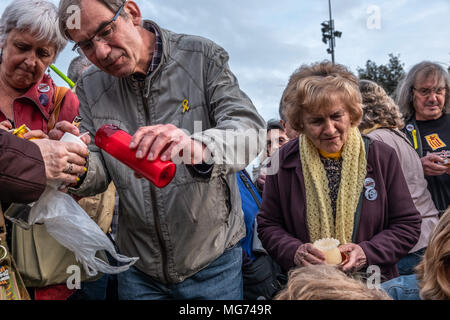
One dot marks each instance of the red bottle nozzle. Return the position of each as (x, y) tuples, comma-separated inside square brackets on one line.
[(116, 142)]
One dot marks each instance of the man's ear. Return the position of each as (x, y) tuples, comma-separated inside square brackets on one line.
[(134, 13)]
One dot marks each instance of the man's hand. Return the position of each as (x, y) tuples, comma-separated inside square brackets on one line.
[(169, 142), (357, 257), (64, 126), (64, 161), (433, 165)]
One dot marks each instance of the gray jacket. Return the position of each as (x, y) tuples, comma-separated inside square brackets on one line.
[(177, 230)]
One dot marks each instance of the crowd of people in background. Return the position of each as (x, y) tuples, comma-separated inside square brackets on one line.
[(344, 161)]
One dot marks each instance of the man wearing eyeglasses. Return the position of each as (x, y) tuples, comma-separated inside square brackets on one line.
[(423, 97), (161, 87)]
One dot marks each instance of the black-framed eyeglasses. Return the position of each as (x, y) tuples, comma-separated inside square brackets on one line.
[(426, 92), (104, 33)]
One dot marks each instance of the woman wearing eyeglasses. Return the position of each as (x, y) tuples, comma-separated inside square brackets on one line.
[(424, 99)]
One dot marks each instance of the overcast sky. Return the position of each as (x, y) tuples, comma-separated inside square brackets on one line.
[(268, 40)]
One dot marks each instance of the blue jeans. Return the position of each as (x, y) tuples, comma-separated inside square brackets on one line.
[(402, 288), (407, 264), (220, 280)]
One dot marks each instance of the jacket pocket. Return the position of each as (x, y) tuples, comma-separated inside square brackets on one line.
[(226, 194)]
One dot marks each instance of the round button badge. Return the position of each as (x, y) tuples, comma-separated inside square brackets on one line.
[(43, 88), (369, 183), (371, 194)]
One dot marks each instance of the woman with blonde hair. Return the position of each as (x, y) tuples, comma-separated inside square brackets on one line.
[(333, 183), (432, 278), (324, 282), (382, 121)]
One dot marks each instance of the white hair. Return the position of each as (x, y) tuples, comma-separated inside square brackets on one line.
[(40, 17)]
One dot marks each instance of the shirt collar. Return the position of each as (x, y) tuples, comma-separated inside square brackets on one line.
[(157, 53)]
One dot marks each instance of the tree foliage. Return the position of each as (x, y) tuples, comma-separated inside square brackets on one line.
[(386, 76)]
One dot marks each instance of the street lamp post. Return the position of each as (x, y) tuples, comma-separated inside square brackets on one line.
[(329, 34)]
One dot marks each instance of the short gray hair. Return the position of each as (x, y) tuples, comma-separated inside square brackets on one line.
[(404, 92), (76, 67), (65, 13), (40, 17)]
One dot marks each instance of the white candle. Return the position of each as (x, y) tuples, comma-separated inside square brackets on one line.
[(329, 247)]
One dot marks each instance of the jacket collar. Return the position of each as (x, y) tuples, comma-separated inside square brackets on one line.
[(164, 54), (290, 154), (41, 94)]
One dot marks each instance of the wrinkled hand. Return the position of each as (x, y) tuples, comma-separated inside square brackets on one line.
[(307, 254), (169, 142), (5, 125), (59, 156), (433, 165), (357, 257), (64, 126), (35, 134)]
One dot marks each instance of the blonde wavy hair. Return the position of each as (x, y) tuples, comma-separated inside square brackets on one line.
[(316, 87), (325, 282), (379, 109), (433, 272)]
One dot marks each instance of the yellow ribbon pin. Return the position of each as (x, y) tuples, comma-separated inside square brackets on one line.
[(185, 105), (414, 134)]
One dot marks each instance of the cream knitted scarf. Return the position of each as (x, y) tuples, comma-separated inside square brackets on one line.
[(318, 204)]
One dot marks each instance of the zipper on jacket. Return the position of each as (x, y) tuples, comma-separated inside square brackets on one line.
[(153, 194)]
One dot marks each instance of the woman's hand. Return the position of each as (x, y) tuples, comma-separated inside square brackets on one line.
[(5, 125), (35, 134), (357, 257), (64, 126), (64, 161), (307, 254)]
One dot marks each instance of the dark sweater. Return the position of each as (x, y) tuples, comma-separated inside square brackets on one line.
[(389, 225)]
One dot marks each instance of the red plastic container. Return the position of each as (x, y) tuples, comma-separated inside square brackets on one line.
[(117, 143)]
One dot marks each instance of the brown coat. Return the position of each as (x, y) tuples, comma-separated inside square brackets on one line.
[(22, 172)]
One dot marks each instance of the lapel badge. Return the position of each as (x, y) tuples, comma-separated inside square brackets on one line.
[(369, 183), (185, 105), (43, 88), (43, 99), (371, 194)]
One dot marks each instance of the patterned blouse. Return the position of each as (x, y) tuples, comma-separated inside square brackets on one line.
[(333, 168)]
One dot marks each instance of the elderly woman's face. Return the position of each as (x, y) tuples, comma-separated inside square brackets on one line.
[(25, 59), (328, 129)]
